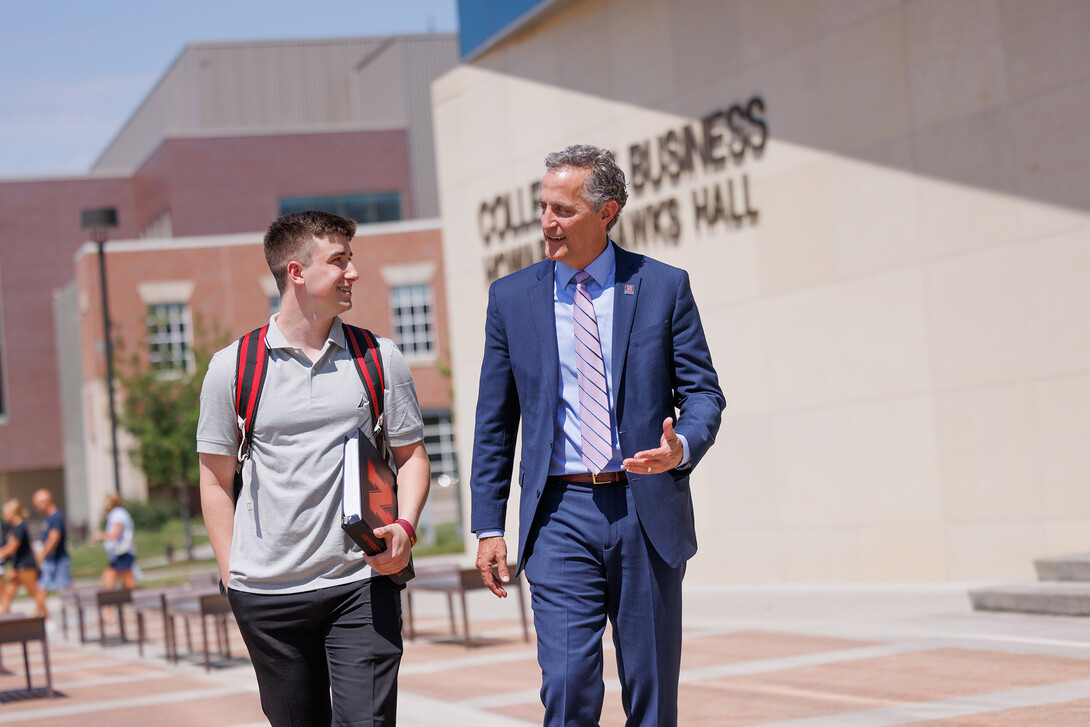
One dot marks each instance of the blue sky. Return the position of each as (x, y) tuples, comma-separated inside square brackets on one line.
[(72, 71)]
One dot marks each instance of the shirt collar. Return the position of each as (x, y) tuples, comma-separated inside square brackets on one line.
[(274, 337), (599, 269)]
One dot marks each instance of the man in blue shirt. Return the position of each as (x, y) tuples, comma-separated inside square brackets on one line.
[(53, 560)]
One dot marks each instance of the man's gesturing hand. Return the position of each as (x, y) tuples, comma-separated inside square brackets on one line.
[(493, 552), (663, 459)]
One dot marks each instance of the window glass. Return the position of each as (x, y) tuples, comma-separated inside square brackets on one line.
[(439, 441), (411, 313), (363, 208), (170, 344)]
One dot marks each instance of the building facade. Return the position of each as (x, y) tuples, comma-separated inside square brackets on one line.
[(883, 210)]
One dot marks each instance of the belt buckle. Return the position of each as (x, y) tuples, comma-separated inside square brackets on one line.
[(594, 479)]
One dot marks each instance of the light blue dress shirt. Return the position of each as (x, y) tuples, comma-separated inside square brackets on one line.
[(567, 442)]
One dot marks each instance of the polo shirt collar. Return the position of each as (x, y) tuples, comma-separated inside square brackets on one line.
[(274, 338)]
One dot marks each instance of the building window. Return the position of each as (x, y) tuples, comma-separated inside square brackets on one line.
[(363, 208), (411, 309), (439, 441), (170, 343), (274, 305)]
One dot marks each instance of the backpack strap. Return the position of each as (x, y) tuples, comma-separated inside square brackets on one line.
[(363, 346), (252, 366), (250, 371)]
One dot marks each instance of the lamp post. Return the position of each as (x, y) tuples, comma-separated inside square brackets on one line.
[(99, 222)]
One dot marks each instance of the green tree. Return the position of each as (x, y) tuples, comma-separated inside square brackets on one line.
[(160, 410)]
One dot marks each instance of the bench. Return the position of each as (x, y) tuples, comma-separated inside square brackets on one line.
[(17, 629), (98, 598), (453, 579), (203, 604), (155, 601)]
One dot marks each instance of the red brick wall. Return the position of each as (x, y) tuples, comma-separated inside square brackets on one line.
[(39, 234), (210, 186), (221, 185), (228, 296), (372, 300)]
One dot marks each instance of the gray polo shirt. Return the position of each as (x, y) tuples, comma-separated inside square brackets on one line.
[(287, 531)]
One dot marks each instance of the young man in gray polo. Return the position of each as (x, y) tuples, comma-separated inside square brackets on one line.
[(317, 615)]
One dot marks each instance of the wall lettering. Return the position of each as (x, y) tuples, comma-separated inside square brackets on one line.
[(709, 156)]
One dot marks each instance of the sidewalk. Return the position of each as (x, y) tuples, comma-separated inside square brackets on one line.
[(778, 656)]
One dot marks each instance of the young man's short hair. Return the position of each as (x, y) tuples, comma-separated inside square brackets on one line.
[(288, 238)]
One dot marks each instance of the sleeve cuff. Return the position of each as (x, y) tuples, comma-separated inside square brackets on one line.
[(685, 456), (482, 534)]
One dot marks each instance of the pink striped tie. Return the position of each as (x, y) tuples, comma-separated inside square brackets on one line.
[(594, 427)]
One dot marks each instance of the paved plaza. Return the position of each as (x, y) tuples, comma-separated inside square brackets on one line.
[(776, 655)]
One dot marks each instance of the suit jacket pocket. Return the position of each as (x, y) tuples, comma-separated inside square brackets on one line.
[(655, 330)]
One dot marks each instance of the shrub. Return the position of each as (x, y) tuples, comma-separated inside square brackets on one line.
[(153, 514)]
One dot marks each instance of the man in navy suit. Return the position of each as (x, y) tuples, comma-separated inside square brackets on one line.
[(606, 534)]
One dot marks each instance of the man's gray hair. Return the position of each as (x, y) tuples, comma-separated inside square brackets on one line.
[(605, 181)]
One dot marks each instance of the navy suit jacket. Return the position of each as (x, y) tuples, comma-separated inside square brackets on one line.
[(660, 361)]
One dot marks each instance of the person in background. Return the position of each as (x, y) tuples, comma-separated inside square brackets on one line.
[(4, 562), (24, 566), (117, 539), (54, 564)]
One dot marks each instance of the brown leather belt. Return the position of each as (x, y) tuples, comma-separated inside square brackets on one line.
[(589, 478)]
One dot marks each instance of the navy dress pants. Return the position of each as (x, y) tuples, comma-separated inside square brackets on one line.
[(589, 561), (343, 641)]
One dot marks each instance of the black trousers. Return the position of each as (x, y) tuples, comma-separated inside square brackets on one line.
[(325, 657)]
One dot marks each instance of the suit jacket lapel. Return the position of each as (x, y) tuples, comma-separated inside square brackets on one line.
[(626, 291), (540, 295)]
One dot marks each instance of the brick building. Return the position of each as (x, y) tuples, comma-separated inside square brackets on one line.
[(233, 135)]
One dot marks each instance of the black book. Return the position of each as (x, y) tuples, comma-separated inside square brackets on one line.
[(369, 498)]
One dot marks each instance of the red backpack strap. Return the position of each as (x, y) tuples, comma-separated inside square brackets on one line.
[(250, 371), (363, 346)]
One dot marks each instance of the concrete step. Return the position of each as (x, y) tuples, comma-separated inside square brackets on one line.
[(1064, 568), (1060, 598)]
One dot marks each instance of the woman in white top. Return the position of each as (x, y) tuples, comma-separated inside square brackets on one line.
[(117, 539)]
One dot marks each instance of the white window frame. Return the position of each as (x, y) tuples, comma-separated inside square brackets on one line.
[(410, 275), (176, 339), (439, 441), (412, 318)]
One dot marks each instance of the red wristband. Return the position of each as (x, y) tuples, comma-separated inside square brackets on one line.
[(408, 529)]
